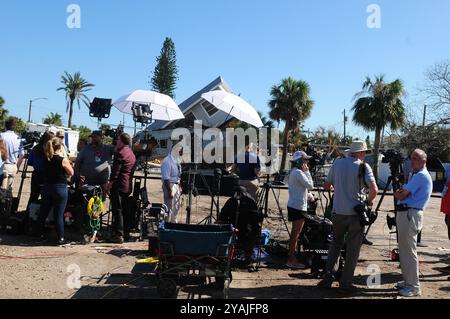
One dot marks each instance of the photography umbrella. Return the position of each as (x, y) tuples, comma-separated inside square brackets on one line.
[(234, 106), (164, 107)]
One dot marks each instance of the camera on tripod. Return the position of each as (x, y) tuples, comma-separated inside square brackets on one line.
[(30, 139), (393, 158)]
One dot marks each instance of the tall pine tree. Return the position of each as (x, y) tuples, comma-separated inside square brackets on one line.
[(165, 75)]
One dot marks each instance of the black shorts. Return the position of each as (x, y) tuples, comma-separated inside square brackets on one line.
[(295, 215)]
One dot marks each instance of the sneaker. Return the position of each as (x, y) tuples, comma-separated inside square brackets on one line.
[(400, 285), (367, 242), (62, 242), (296, 265), (408, 292), (327, 281)]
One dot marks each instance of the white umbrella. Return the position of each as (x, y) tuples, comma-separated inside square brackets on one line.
[(234, 106), (164, 107)]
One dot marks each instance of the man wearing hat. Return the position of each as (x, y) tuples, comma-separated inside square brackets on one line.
[(300, 182), (349, 177), (93, 164)]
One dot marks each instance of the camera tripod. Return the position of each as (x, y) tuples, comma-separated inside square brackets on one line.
[(214, 193), (395, 181), (263, 201)]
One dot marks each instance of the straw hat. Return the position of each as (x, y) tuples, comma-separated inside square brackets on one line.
[(358, 146)]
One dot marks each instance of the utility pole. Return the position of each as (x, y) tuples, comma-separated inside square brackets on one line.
[(424, 115), (31, 105), (345, 125)]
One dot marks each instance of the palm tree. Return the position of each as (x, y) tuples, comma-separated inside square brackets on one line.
[(53, 119), (3, 112), (75, 88), (290, 102), (379, 104)]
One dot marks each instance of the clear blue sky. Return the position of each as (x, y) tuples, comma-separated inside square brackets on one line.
[(251, 43)]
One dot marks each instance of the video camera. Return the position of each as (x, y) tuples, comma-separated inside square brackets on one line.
[(30, 139), (317, 159), (366, 215), (393, 157), (395, 160), (114, 133)]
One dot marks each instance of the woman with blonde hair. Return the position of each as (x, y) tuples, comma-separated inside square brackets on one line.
[(57, 170), (3, 158)]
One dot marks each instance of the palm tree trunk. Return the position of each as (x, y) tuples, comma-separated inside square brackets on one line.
[(285, 147), (70, 113), (376, 152)]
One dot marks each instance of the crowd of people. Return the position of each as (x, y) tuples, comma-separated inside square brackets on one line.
[(97, 164), (353, 184), (112, 167)]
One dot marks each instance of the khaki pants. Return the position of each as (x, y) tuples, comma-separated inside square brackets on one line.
[(174, 204), (409, 225), (351, 227), (251, 186), (10, 173)]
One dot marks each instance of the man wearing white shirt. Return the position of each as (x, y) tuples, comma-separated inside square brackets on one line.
[(14, 147), (171, 178)]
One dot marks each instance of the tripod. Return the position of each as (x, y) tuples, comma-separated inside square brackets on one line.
[(395, 181), (193, 191), (214, 201), (16, 200), (263, 201)]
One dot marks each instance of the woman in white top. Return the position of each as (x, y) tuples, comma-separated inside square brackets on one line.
[(300, 182)]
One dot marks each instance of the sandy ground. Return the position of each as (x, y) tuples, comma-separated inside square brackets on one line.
[(110, 271)]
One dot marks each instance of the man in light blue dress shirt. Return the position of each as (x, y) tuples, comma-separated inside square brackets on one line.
[(412, 201)]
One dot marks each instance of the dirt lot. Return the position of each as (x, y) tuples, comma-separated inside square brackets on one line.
[(110, 271)]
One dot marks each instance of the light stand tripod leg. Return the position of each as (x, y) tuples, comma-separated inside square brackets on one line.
[(390, 179), (281, 212)]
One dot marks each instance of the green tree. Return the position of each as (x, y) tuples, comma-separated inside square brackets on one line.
[(84, 131), (53, 119), (3, 113), (165, 75), (75, 88), (104, 127), (378, 105), (290, 102), (21, 126)]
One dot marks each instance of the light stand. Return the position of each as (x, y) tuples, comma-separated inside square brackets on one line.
[(144, 115)]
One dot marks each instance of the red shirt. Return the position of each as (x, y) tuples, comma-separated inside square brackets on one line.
[(445, 206), (123, 170)]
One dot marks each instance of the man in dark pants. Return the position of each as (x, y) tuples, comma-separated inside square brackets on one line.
[(120, 187)]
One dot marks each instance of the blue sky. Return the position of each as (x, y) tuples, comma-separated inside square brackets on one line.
[(253, 44)]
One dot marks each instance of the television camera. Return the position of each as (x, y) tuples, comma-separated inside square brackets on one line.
[(30, 139)]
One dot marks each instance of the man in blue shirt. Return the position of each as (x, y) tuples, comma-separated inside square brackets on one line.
[(14, 146), (412, 201), (249, 166)]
